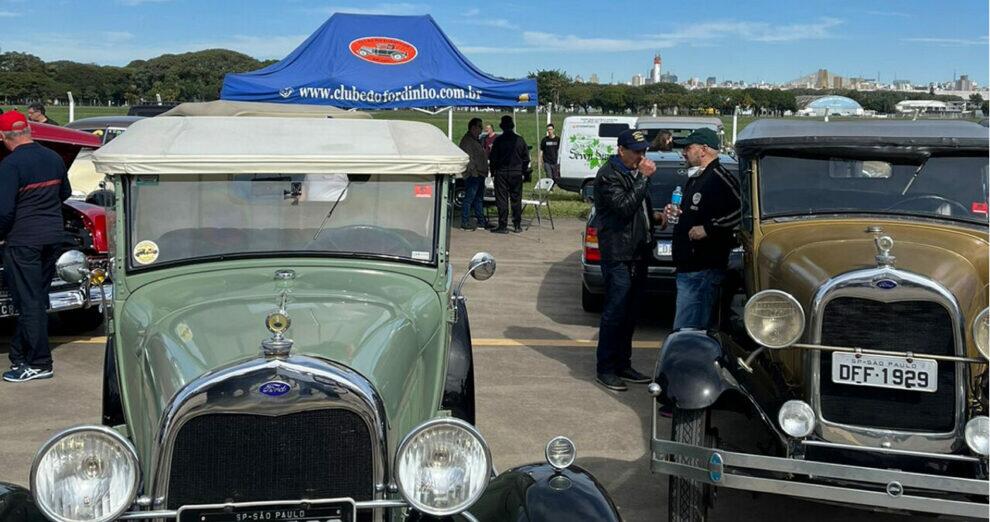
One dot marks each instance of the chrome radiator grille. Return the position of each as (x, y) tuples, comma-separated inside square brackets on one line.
[(228, 457), (921, 327)]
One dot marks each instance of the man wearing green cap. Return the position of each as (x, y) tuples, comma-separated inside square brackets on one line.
[(703, 237)]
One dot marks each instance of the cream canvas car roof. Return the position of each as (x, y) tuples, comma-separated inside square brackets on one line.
[(257, 109), (222, 145)]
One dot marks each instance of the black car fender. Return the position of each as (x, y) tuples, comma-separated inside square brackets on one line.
[(113, 405), (692, 371), (458, 388), (17, 504), (540, 493)]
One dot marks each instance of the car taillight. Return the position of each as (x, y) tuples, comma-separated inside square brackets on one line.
[(591, 252)]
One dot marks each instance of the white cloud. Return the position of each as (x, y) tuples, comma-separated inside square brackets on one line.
[(117, 36), (888, 13), (378, 9), (8, 14), (472, 12), (498, 23), (950, 42)]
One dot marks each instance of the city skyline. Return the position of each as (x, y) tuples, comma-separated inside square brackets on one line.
[(909, 39)]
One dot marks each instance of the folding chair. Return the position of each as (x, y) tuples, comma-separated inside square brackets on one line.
[(540, 197), (488, 204)]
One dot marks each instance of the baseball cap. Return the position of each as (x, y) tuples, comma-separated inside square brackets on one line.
[(702, 136), (633, 140), (12, 121)]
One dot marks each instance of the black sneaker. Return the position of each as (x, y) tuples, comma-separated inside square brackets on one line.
[(500, 230), (468, 226), (516, 228), (489, 225), (611, 381), (27, 373), (630, 375)]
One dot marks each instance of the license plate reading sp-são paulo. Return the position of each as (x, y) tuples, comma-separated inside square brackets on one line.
[(885, 371), (342, 511)]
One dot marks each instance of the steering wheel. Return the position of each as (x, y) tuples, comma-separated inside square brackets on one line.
[(940, 199), (371, 238)]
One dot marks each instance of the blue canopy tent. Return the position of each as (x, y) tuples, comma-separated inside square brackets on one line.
[(379, 62)]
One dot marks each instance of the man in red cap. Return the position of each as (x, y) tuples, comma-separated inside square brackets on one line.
[(33, 185)]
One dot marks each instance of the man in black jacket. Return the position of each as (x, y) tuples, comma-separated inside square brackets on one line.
[(33, 185), (623, 214), (703, 236), (508, 161)]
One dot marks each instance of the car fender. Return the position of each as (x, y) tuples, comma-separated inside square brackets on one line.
[(691, 370), (458, 388), (16, 503)]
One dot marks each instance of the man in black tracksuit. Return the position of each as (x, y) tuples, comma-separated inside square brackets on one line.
[(624, 217), (33, 185), (703, 237), (508, 160)]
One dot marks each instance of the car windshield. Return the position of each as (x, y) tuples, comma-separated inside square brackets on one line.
[(175, 219), (945, 187), (676, 134)]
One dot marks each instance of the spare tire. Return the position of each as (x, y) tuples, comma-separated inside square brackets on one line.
[(102, 197)]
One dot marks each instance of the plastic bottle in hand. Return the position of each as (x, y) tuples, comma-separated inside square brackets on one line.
[(675, 200)]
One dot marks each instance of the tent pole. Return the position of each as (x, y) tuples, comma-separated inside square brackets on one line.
[(450, 123), (539, 164)]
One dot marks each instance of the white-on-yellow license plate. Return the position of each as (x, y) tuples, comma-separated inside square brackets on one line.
[(884, 371)]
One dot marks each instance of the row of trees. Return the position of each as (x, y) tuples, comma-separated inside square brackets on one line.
[(556, 87), (193, 76)]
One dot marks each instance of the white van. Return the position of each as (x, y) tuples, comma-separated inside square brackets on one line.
[(586, 142)]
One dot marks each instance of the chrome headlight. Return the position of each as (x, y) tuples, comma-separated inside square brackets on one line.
[(774, 319), (443, 466), (797, 419), (978, 435), (85, 474), (981, 332), (560, 452)]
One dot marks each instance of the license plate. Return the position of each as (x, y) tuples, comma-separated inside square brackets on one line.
[(663, 250), (342, 510), (884, 371), (7, 310)]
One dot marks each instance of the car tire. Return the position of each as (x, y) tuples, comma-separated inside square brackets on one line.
[(101, 198), (687, 500), (587, 190), (80, 321), (591, 302), (459, 197)]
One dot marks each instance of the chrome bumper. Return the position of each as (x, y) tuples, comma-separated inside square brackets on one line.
[(369, 504), (73, 299), (738, 470)]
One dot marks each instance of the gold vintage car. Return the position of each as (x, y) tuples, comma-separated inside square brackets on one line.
[(856, 342)]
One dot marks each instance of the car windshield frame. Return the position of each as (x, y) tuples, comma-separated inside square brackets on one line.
[(915, 162), (436, 182)]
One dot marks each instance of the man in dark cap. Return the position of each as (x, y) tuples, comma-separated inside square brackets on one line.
[(33, 185), (624, 216), (703, 236), (508, 161)]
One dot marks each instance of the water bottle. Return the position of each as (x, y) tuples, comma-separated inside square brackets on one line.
[(675, 200)]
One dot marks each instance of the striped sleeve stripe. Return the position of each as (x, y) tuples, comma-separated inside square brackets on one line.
[(40, 184), (729, 180), (729, 220)]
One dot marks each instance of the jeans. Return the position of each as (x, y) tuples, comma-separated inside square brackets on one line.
[(624, 281), (474, 198), (552, 170), (28, 271), (696, 295)]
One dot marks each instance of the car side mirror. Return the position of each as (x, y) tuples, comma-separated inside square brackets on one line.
[(482, 266), (72, 267)]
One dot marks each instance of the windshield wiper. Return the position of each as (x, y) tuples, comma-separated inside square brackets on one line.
[(334, 207), (915, 176)]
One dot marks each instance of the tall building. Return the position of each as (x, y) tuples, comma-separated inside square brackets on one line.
[(668, 78), (711, 81), (637, 80), (964, 83), (593, 78), (655, 71)]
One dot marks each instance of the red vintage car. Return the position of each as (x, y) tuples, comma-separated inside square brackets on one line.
[(77, 305)]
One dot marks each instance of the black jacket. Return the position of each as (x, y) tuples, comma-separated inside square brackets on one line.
[(625, 225), (711, 200), (509, 154), (33, 185)]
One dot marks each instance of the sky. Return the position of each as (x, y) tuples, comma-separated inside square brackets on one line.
[(750, 40)]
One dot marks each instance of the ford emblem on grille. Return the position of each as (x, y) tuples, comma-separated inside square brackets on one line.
[(886, 284), (275, 388)]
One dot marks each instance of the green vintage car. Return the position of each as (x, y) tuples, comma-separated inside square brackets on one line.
[(287, 340)]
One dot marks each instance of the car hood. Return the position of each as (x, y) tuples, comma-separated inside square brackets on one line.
[(800, 256), (382, 325)]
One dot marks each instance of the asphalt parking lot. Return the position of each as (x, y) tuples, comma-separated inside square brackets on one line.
[(534, 356)]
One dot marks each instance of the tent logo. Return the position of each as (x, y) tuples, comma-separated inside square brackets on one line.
[(285, 92), (383, 50)]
